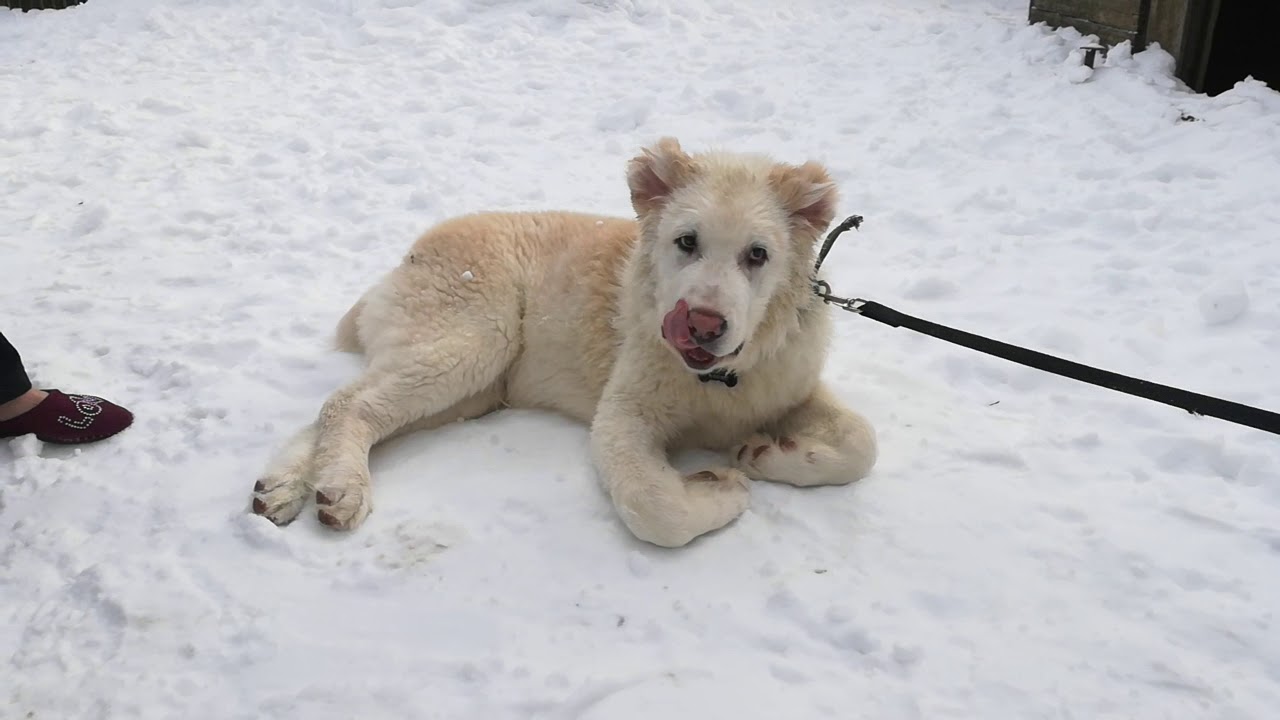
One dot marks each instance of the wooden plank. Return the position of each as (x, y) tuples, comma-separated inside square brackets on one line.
[(1087, 8), (1120, 15), (1108, 36), (1167, 24)]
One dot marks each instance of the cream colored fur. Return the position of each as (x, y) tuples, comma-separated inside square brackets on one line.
[(564, 311)]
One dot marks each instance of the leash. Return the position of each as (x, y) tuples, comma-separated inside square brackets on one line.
[(1194, 403)]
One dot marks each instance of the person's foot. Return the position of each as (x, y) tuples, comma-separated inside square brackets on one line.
[(56, 417), (21, 404)]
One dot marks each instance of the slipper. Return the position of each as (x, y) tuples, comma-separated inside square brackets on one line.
[(65, 419)]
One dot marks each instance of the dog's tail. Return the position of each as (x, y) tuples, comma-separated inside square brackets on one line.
[(347, 336)]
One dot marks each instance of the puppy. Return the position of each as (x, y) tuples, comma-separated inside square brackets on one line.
[(694, 325)]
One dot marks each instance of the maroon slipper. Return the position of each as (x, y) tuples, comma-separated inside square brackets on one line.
[(69, 419)]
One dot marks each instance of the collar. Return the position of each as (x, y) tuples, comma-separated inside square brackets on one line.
[(728, 377)]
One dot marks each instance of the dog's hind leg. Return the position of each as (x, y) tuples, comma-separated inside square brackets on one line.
[(448, 376), (819, 442), (283, 488), (439, 333), (288, 480)]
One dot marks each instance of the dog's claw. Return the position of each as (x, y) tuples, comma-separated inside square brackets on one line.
[(259, 507), (327, 518), (259, 486)]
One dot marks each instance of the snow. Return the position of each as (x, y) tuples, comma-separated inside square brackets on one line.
[(194, 192), (1224, 304)]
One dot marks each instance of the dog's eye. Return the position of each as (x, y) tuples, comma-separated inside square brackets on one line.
[(687, 243), (757, 256)]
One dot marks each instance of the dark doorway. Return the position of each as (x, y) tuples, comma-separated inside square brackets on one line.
[(1243, 43)]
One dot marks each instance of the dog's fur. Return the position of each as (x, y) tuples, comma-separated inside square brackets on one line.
[(568, 312)]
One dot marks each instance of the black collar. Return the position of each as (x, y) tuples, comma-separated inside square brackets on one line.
[(728, 377)]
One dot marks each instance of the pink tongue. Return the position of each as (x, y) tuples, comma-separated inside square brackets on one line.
[(676, 327)]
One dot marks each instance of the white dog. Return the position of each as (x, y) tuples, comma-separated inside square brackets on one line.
[(624, 325)]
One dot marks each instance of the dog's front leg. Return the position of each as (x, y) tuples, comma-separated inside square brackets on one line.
[(657, 503), (818, 442)]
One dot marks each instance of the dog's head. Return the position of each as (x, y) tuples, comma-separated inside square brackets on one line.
[(729, 240)]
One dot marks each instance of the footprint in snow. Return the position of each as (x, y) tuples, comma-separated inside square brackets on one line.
[(1223, 303), (929, 288), (997, 457), (837, 629), (91, 219), (625, 115), (741, 106), (520, 516), (77, 631), (1189, 454)]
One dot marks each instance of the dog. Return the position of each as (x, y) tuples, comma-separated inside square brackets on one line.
[(692, 326)]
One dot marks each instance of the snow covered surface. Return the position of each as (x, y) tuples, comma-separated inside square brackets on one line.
[(193, 192)]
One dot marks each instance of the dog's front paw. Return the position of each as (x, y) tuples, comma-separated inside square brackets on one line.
[(798, 461), (760, 451), (723, 480), (716, 497), (674, 511), (343, 506)]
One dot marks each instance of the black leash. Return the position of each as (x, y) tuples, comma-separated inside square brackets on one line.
[(1193, 403)]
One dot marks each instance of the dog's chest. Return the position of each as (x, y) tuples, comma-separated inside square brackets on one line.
[(720, 416)]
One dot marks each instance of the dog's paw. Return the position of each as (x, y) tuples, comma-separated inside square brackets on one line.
[(717, 496), (672, 516), (797, 461), (279, 497), (343, 506), (721, 480), (758, 451)]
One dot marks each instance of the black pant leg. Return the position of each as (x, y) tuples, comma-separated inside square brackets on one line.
[(13, 377)]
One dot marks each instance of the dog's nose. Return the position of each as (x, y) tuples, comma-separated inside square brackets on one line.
[(706, 326)]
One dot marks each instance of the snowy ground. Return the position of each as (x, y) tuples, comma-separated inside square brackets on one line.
[(193, 192)]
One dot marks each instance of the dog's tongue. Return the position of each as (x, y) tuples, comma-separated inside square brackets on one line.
[(676, 327)]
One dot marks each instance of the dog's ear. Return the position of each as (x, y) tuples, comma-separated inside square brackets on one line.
[(807, 192), (655, 172)]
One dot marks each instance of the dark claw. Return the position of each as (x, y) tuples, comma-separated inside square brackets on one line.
[(259, 486), (787, 443), (322, 499), (259, 507)]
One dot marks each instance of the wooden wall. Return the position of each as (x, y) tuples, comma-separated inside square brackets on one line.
[(1183, 28), (1113, 21)]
